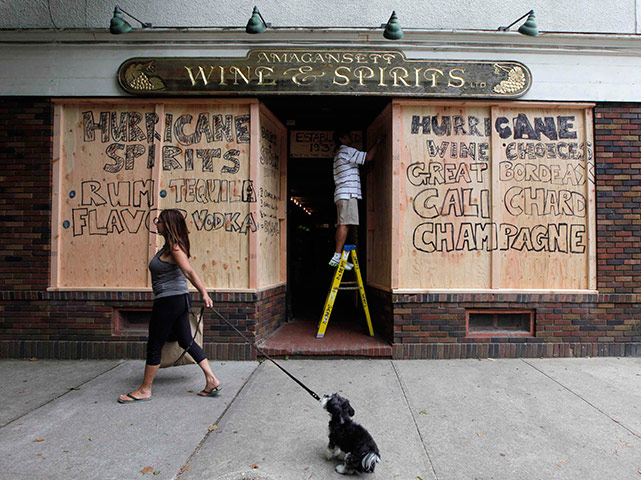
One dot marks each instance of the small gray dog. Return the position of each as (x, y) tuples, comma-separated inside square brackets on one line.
[(348, 437)]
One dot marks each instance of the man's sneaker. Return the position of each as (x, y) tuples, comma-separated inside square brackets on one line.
[(336, 260)]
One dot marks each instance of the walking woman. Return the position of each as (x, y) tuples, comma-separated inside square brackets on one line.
[(170, 270)]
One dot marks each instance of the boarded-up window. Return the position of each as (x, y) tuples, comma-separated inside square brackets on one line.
[(495, 197), (119, 164)]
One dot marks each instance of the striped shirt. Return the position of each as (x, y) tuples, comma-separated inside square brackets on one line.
[(346, 175)]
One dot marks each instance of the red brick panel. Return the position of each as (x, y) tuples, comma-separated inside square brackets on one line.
[(26, 133), (617, 138)]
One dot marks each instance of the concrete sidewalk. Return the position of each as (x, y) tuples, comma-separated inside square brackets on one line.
[(432, 419)]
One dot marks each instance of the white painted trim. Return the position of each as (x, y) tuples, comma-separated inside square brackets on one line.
[(478, 291), (354, 37), (148, 289), (565, 67), (497, 291)]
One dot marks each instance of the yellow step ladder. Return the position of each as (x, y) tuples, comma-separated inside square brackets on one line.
[(336, 286)]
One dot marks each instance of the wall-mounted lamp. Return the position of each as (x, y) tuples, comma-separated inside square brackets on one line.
[(120, 25), (528, 28), (257, 23), (392, 28)]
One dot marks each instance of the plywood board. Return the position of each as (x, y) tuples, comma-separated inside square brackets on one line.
[(270, 195), (205, 173), (591, 196), (398, 192), (543, 183), (105, 195), (495, 197), (121, 162), (56, 202), (379, 202), (445, 197)]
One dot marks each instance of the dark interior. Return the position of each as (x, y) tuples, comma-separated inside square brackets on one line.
[(310, 237)]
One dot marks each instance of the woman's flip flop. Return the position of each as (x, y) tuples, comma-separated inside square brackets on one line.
[(210, 393), (134, 399)]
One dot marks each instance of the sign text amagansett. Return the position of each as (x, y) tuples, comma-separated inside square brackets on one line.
[(323, 71)]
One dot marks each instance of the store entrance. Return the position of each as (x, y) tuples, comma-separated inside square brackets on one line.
[(311, 212)]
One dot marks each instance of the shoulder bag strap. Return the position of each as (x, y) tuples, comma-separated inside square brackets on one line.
[(193, 339)]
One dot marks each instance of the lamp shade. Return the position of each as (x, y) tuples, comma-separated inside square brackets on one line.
[(118, 23), (393, 28), (529, 27), (255, 23)]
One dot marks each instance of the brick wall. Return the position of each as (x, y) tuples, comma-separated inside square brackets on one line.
[(433, 326), (594, 318), (79, 324), (26, 132), (617, 136), (270, 312)]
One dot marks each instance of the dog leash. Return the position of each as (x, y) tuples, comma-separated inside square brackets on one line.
[(308, 390)]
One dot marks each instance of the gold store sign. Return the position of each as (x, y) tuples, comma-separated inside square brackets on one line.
[(323, 71)]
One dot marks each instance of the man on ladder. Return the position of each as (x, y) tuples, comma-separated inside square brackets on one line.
[(346, 195), (348, 187)]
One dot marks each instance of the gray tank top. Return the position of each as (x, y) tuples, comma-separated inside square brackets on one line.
[(166, 278)]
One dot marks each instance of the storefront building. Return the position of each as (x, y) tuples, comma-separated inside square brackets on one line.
[(500, 216)]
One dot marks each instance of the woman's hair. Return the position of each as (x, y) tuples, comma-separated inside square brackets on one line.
[(175, 232)]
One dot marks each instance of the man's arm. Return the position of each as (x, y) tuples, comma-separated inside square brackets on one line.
[(372, 151)]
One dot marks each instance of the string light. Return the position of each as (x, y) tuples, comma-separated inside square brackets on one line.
[(300, 205)]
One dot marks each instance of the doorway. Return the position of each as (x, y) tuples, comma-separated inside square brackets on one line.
[(311, 212)]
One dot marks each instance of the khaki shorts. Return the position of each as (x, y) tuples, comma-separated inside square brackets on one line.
[(347, 211)]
